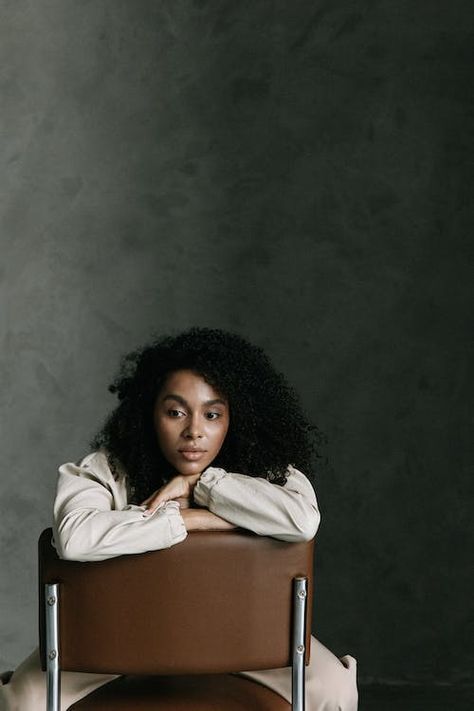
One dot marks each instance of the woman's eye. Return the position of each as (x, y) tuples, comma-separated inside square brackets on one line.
[(175, 413), (212, 415)]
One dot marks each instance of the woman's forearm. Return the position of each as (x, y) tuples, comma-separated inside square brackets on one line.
[(289, 513), (204, 520)]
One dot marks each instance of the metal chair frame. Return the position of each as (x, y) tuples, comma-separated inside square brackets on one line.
[(53, 656)]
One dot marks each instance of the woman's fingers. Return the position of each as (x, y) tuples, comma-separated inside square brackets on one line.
[(153, 504), (184, 502), (178, 489), (173, 491), (151, 498), (159, 496)]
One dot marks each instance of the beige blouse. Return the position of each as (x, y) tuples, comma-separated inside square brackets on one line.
[(93, 519)]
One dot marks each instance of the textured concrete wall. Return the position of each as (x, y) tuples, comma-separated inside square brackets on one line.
[(294, 171)]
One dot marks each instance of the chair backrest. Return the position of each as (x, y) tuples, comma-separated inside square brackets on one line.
[(217, 602)]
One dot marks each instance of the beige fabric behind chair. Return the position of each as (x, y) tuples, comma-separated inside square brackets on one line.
[(330, 683)]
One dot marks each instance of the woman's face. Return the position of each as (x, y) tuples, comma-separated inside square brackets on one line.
[(191, 421)]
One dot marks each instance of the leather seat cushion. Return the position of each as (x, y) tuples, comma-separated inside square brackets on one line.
[(203, 692)]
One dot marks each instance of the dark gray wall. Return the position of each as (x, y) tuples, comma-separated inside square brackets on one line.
[(296, 172)]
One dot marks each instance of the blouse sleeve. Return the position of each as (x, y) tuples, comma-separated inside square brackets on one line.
[(92, 520), (289, 513)]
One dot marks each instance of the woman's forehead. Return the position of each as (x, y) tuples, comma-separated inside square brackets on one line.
[(189, 384)]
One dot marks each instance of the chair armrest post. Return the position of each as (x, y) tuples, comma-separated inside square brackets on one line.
[(300, 597), (53, 681)]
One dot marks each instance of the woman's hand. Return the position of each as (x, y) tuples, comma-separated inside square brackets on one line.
[(204, 520), (179, 489)]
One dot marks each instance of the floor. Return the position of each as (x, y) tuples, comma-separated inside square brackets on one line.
[(416, 698)]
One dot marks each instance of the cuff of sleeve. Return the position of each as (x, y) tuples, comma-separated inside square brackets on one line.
[(178, 530), (207, 481)]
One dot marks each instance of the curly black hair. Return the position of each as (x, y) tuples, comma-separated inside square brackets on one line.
[(267, 431)]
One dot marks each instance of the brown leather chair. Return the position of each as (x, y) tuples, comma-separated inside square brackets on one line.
[(177, 622)]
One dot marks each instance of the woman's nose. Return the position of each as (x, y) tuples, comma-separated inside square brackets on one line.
[(192, 430), (191, 434)]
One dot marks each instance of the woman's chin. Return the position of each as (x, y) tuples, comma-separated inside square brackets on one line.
[(189, 468)]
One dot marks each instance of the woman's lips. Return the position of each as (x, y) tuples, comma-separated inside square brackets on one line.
[(192, 454)]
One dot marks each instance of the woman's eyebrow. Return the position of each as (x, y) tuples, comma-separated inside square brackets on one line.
[(216, 401), (178, 398)]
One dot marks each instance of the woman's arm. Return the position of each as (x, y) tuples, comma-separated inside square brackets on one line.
[(204, 520), (92, 520), (289, 513), (180, 489)]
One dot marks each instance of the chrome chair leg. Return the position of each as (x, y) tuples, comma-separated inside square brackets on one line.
[(53, 680), (300, 596)]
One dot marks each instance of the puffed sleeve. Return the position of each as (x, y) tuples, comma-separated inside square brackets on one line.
[(92, 520), (289, 513)]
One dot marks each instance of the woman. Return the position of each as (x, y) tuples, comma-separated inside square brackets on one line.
[(206, 436)]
